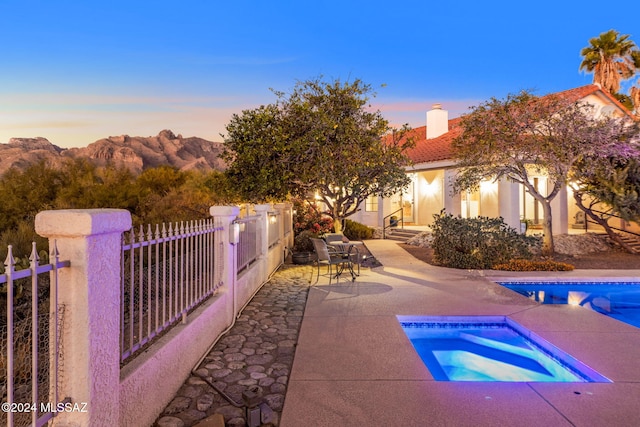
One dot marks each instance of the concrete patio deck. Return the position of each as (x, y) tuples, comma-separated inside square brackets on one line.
[(354, 366)]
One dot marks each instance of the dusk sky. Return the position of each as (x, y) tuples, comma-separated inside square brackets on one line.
[(76, 71)]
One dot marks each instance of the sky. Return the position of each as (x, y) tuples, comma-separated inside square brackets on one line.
[(75, 71)]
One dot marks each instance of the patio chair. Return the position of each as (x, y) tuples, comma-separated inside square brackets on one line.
[(335, 237), (330, 257), (353, 251)]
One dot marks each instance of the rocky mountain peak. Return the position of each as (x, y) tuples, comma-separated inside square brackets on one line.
[(135, 153)]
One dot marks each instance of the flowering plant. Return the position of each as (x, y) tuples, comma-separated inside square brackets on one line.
[(308, 221)]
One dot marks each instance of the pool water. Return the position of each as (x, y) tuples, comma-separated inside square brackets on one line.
[(619, 300), (490, 348)]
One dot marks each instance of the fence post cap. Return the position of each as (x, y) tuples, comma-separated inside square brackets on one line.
[(224, 210), (82, 222), (262, 208)]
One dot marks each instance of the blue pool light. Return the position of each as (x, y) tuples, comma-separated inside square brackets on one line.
[(490, 348)]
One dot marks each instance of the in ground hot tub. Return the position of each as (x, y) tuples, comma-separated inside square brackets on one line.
[(490, 348)]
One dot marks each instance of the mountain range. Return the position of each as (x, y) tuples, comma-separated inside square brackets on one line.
[(135, 153)]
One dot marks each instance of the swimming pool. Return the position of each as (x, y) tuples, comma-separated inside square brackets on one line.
[(490, 348), (620, 300)]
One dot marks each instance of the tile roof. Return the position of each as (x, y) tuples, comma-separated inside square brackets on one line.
[(434, 149), (439, 148)]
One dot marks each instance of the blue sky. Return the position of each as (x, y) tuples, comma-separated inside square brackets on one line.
[(75, 71)]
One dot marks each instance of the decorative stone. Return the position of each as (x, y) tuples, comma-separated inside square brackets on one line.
[(258, 351), (278, 388), (255, 368), (234, 357), (178, 404), (204, 402), (275, 401), (220, 373), (259, 359), (214, 365), (235, 376), (236, 365), (266, 382), (248, 351), (190, 392)]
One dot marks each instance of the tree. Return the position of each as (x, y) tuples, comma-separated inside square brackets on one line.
[(635, 98), (608, 183), (524, 135), (611, 57), (260, 154), (324, 138)]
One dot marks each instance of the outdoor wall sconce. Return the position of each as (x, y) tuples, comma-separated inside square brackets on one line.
[(234, 233)]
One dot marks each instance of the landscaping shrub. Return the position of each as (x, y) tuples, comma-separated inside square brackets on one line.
[(302, 241), (477, 243), (528, 265), (356, 231)]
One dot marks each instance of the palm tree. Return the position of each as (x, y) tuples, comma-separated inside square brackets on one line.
[(611, 57)]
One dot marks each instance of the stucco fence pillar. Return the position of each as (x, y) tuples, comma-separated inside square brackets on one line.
[(89, 361)]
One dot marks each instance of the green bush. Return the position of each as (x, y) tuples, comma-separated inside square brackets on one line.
[(356, 231), (477, 243), (302, 242)]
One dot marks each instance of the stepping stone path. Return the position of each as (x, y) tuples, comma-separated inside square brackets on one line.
[(256, 353)]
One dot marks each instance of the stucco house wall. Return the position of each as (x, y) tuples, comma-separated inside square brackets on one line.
[(433, 167)]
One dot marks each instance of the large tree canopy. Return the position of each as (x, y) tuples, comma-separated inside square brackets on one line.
[(523, 136), (322, 137), (607, 184)]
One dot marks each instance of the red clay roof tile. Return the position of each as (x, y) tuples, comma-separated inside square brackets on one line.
[(439, 148)]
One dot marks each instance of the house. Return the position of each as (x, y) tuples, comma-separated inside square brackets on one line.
[(433, 172)]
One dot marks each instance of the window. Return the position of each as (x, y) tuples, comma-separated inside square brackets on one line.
[(371, 204)]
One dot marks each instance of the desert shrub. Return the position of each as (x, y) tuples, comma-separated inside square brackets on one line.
[(476, 243), (356, 231), (528, 265), (21, 239)]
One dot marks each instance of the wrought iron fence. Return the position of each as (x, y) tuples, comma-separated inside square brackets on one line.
[(166, 273), (248, 242), (29, 334)]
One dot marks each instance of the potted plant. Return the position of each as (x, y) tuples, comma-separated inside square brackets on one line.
[(303, 247)]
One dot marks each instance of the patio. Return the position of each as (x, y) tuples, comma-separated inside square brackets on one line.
[(354, 365)]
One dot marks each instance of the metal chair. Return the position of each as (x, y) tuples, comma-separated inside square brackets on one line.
[(351, 251), (330, 257)]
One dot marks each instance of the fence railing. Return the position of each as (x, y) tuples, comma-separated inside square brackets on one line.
[(248, 242), (166, 273), (29, 336)]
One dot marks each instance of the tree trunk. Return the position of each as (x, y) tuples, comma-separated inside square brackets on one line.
[(547, 230), (337, 225)]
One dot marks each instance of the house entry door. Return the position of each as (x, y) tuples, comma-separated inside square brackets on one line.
[(408, 205)]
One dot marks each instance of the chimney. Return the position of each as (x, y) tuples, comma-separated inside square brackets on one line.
[(437, 121)]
